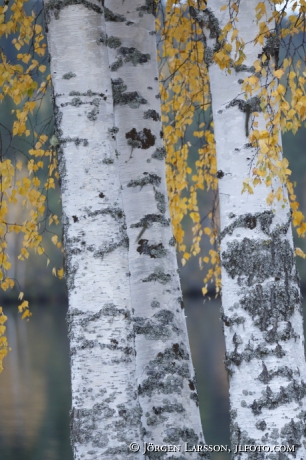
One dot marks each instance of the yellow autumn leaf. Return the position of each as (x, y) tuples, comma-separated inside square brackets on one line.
[(36, 181), (299, 252), (26, 314), (279, 73), (23, 306), (270, 198), (234, 34), (54, 239)]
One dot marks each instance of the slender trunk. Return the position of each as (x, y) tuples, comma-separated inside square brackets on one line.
[(261, 299), (132, 374)]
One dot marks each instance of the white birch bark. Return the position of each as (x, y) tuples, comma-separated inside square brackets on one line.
[(105, 414), (132, 374), (261, 299), (164, 372)]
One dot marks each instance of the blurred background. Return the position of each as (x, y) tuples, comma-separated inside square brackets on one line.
[(35, 385)]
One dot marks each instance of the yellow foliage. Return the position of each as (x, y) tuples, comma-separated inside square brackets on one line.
[(186, 94), (187, 86), (18, 81), (3, 340), (299, 252)]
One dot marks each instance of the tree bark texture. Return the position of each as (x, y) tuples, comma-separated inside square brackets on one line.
[(131, 371), (262, 310)]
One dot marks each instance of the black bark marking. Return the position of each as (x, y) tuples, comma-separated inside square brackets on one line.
[(292, 392), (292, 432), (68, 75), (158, 275), (110, 16), (180, 300), (124, 242), (152, 114), (56, 5), (143, 139), (265, 220), (270, 305), (220, 174), (111, 42), (251, 352), (172, 241), (266, 376), (120, 97), (77, 141), (150, 8), (93, 114), (88, 93), (250, 222), (153, 179), (113, 131), (174, 435), (159, 327), (149, 219), (155, 304), (249, 106), (231, 320), (116, 65), (133, 55), (168, 407), (254, 261), (166, 372), (153, 250), (261, 425), (161, 201), (159, 154)]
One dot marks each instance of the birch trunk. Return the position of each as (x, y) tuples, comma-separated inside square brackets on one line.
[(105, 414), (131, 369), (261, 299)]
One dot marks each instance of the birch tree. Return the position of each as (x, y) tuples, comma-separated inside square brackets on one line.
[(131, 371), (261, 299)]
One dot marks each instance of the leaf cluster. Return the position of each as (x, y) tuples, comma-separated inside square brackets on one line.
[(27, 172), (277, 82)]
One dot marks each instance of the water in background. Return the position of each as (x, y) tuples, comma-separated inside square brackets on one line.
[(35, 385)]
